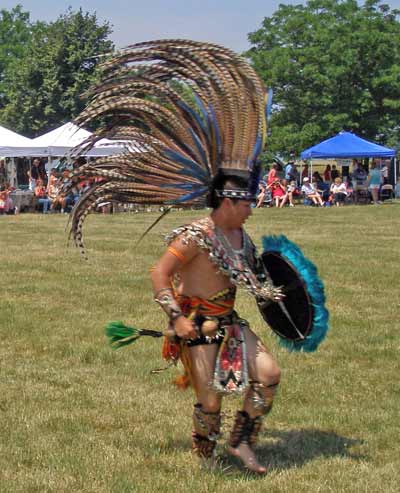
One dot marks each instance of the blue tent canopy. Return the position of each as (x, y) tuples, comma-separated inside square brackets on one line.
[(347, 145)]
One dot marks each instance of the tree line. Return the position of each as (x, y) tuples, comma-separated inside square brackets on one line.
[(333, 65), (45, 68)]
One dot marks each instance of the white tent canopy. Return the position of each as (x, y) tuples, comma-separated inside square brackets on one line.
[(58, 142), (10, 141), (62, 140)]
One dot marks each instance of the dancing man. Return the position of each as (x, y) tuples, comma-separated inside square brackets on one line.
[(202, 261), (194, 116)]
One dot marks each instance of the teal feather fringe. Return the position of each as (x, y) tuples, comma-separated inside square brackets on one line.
[(315, 289)]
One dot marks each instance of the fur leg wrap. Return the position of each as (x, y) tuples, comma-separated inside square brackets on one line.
[(206, 428), (245, 430)]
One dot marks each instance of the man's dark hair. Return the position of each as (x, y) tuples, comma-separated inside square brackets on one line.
[(224, 182)]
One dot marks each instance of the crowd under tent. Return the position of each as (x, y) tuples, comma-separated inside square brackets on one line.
[(349, 146), (58, 143)]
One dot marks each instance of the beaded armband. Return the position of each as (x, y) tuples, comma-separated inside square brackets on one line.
[(166, 299)]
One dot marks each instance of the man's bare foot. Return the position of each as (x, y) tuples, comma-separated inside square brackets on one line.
[(247, 456)]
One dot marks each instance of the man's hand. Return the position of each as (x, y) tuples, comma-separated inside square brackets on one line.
[(184, 328)]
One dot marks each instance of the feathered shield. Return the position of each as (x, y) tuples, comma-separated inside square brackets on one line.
[(300, 319)]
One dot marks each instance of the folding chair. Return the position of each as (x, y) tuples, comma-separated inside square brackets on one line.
[(386, 192), (361, 195)]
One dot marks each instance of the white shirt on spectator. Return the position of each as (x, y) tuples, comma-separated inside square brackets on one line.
[(307, 188)]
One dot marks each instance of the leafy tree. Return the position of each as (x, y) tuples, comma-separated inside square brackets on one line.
[(333, 65), (15, 32), (45, 86)]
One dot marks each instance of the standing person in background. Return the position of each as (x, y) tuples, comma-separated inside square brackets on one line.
[(290, 171), (317, 177), (327, 174), (3, 175), (374, 182), (273, 174), (38, 172), (304, 173), (280, 171), (359, 176), (385, 173), (81, 161), (334, 173)]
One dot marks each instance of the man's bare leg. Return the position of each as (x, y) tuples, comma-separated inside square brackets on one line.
[(264, 374), (206, 415)]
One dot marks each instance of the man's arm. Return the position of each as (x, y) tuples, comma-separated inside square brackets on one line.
[(178, 254)]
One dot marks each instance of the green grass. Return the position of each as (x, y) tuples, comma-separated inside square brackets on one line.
[(79, 417)]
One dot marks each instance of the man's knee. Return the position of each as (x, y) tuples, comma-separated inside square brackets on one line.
[(269, 375), (209, 401)]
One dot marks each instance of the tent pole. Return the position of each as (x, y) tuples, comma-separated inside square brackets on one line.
[(395, 171)]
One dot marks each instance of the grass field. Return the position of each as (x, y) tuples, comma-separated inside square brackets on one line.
[(79, 417)]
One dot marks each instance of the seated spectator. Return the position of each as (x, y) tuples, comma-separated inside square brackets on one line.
[(278, 191), (52, 186), (290, 191), (53, 190), (3, 198), (349, 187), (310, 193), (69, 199), (323, 189), (41, 195), (10, 208), (339, 192), (262, 187), (6, 203)]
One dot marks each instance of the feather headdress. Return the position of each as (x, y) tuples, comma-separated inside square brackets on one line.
[(186, 111)]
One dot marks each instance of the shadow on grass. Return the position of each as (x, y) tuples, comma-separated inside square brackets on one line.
[(294, 448)]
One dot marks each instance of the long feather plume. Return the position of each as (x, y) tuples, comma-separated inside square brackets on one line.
[(183, 109)]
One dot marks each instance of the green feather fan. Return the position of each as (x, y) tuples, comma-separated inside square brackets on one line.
[(121, 335)]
